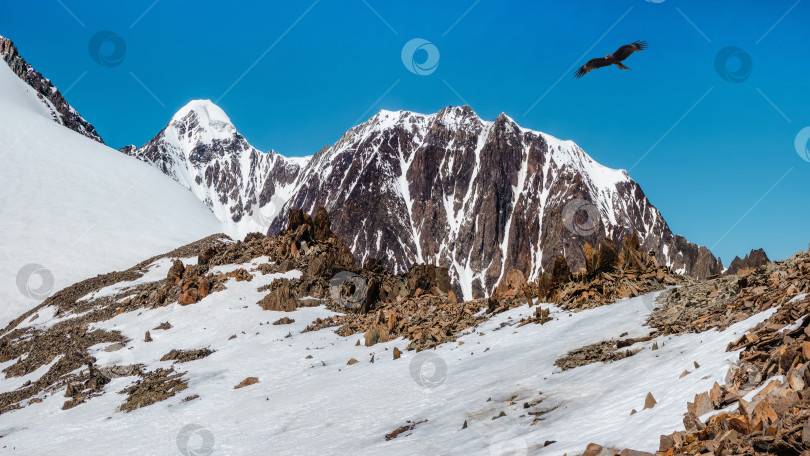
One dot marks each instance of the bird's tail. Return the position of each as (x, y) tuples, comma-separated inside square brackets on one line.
[(622, 66)]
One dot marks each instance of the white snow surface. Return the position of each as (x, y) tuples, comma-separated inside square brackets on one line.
[(324, 406), (76, 207)]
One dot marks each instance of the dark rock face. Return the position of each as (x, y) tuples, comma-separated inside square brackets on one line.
[(479, 198), (61, 111), (754, 259)]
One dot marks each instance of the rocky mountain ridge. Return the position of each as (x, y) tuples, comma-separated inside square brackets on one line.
[(479, 198), (61, 111), (756, 258)]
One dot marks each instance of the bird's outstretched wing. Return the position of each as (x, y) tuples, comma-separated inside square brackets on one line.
[(592, 65), (625, 51)]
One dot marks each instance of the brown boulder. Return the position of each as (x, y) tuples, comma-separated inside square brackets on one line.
[(204, 257), (322, 226), (630, 257), (593, 449), (633, 242), (203, 288), (512, 285), (544, 285), (280, 297), (286, 266), (629, 452), (247, 382), (649, 401), (591, 258), (189, 296), (425, 277), (560, 272), (240, 275), (297, 219), (376, 333), (608, 257), (175, 272), (318, 267)]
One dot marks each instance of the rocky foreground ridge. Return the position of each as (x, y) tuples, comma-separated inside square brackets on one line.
[(764, 405)]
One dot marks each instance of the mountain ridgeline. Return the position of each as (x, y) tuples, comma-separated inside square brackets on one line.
[(60, 109), (478, 197)]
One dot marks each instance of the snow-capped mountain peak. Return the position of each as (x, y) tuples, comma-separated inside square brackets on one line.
[(202, 150), (479, 197), (202, 121)]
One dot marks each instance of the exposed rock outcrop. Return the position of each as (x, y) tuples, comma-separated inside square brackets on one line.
[(754, 259), (609, 274)]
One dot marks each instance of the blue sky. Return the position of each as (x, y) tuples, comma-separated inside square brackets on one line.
[(717, 157)]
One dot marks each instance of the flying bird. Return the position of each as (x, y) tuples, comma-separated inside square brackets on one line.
[(611, 59)]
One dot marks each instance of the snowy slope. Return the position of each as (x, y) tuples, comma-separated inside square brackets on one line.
[(77, 207), (201, 149), (321, 405)]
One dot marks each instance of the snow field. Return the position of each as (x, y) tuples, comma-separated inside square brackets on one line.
[(322, 405)]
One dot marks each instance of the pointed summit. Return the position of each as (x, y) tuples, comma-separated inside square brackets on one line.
[(206, 119), (201, 149), (204, 109)]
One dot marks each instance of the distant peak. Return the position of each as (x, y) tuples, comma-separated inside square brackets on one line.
[(458, 111), (207, 117), (463, 108), (386, 114), (207, 112)]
